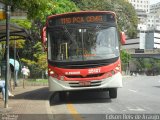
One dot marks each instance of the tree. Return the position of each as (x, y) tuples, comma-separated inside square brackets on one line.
[(125, 58), (30, 52), (40, 9)]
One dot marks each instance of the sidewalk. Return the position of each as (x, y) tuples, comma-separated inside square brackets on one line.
[(27, 104)]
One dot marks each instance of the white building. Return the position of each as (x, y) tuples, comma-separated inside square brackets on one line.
[(140, 4), (153, 21), (142, 8), (153, 18), (155, 8), (148, 15)]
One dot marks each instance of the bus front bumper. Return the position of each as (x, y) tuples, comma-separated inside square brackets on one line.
[(59, 85)]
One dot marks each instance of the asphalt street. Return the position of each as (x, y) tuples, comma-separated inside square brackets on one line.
[(139, 95)]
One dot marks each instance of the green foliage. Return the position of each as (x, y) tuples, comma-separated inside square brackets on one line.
[(30, 52), (125, 57), (34, 58), (24, 23), (62, 6), (147, 63), (27, 62), (40, 57), (132, 32), (40, 9)]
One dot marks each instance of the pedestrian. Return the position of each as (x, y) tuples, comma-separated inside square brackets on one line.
[(46, 73), (26, 72), (2, 87), (15, 68)]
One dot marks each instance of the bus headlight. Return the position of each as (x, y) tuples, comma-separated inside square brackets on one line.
[(51, 72), (117, 68)]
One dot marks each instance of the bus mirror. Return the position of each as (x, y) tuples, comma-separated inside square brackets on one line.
[(123, 38), (44, 39)]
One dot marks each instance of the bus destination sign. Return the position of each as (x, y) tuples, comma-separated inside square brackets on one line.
[(87, 19), (81, 19)]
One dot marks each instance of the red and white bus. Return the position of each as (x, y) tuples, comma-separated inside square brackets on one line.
[(83, 52)]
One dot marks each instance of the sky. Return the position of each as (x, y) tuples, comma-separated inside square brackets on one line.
[(154, 1)]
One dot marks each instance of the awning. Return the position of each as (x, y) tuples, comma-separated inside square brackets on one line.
[(15, 30)]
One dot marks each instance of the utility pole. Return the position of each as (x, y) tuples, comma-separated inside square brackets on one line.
[(15, 74), (8, 8)]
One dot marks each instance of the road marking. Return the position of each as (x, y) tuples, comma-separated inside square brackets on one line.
[(112, 110), (73, 112), (135, 109), (132, 90)]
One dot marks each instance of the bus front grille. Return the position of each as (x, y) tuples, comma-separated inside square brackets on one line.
[(85, 83), (88, 76)]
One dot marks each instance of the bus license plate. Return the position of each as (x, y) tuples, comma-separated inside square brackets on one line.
[(85, 83)]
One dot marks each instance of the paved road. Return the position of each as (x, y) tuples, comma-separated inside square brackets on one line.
[(140, 94)]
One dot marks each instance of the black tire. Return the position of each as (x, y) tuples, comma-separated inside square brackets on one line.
[(113, 92), (62, 95)]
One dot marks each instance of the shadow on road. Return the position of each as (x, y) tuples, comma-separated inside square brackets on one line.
[(33, 94), (157, 86), (81, 97)]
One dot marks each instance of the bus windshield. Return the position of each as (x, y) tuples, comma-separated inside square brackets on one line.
[(82, 43)]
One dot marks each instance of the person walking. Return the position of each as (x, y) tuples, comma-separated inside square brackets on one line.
[(26, 72), (15, 70)]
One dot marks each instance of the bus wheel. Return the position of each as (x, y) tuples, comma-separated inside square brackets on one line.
[(113, 92), (62, 95)]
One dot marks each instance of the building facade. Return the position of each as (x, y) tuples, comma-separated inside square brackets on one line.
[(153, 21), (148, 15), (153, 18), (155, 8), (148, 39), (140, 5)]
